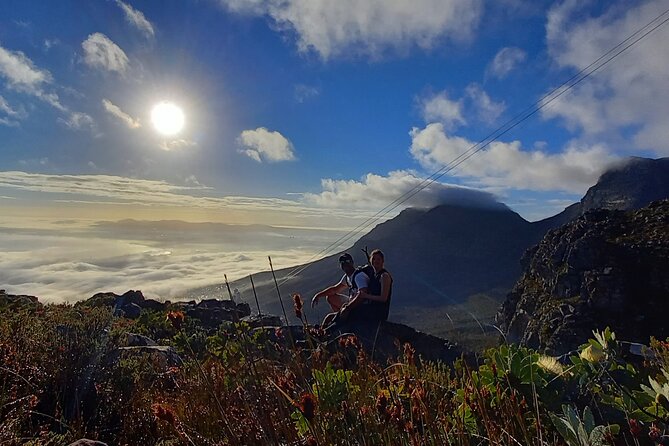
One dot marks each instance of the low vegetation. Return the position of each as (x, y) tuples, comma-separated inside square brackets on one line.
[(63, 376)]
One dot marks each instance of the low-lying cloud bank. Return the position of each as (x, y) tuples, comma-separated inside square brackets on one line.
[(118, 256)]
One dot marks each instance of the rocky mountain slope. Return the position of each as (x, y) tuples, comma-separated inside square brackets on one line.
[(446, 255), (437, 256), (630, 185), (606, 268)]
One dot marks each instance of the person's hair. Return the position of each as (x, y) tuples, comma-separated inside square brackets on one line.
[(377, 252)]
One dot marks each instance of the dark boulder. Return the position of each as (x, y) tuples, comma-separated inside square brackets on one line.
[(130, 310), (138, 340), (262, 320)]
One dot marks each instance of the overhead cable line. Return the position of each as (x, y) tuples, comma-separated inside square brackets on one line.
[(510, 124)]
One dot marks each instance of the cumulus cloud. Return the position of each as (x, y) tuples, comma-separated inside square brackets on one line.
[(440, 108), (375, 191), (116, 111), (264, 145), (136, 18), (22, 75), (505, 61), (476, 104), (628, 97), (100, 52), (505, 165), (487, 110), (368, 27)]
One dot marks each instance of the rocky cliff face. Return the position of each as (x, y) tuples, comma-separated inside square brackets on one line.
[(606, 268), (631, 185)]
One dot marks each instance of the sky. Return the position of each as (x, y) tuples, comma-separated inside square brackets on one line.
[(301, 117)]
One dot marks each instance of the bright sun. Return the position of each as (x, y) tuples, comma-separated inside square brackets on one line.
[(167, 118)]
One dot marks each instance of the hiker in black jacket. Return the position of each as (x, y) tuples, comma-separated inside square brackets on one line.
[(352, 282), (373, 303)]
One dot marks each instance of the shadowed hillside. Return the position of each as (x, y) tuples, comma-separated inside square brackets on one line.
[(453, 264)]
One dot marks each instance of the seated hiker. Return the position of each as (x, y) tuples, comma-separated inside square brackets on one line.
[(353, 280), (373, 303)]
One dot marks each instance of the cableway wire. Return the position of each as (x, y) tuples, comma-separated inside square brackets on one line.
[(519, 118)]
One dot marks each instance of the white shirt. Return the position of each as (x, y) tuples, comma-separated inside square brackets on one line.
[(361, 281)]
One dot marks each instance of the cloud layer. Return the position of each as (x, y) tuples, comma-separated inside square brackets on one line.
[(59, 267), (630, 96), (506, 165), (366, 27), (376, 191), (265, 145)]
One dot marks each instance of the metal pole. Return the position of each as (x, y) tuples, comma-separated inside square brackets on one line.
[(254, 293), (277, 289)]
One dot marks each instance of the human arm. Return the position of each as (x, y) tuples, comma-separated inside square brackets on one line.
[(329, 291), (386, 281), (361, 284)]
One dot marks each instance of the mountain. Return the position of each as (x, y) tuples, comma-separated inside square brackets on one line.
[(458, 258), (437, 257), (632, 184), (606, 268)]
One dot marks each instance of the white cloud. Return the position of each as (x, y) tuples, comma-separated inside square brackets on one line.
[(177, 144), (20, 72), (627, 97), (50, 43), (441, 108), (506, 60), (487, 110), (57, 266), (261, 144), (12, 114), (137, 19), (22, 75), (120, 114), (376, 191), (506, 166), (78, 121), (108, 188), (367, 27), (303, 93), (100, 52)]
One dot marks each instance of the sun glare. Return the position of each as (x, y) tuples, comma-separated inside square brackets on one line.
[(167, 118)]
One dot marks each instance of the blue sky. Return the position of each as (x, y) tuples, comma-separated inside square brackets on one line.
[(313, 113)]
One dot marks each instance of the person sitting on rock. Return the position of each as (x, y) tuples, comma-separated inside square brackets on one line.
[(353, 281), (371, 305)]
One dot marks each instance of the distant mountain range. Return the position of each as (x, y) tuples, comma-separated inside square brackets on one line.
[(448, 254)]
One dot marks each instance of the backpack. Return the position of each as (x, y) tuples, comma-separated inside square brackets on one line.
[(372, 310), (367, 269)]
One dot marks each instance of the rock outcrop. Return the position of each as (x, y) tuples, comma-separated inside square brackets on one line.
[(210, 312), (14, 300), (606, 268), (381, 343)]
